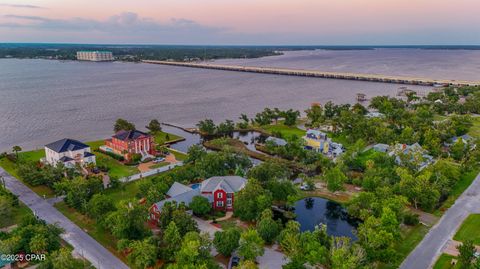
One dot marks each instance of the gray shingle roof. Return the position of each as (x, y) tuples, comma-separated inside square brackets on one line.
[(227, 183), (66, 159), (185, 197), (66, 144), (177, 188)]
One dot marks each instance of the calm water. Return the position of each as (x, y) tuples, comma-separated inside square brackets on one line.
[(314, 211), (42, 101), (435, 64)]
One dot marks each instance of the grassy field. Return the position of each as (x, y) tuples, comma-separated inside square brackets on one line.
[(286, 131), (444, 262), (411, 237), (17, 214), (470, 230), (163, 137), (90, 226), (124, 192)]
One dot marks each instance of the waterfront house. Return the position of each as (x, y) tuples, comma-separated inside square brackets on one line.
[(320, 142), (220, 191), (127, 143), (69, 152)]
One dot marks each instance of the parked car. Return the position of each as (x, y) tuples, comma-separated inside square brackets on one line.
[(234, 261), (159, 160)]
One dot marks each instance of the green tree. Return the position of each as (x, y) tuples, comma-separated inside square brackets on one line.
[(195, 152), (335, 179), (458, 150), (466, 255), (171, 242), (154, 126), (62, 259), (99, 206), (16, 150), (251, 201), (268, 228), (250, 245), (290, 116), (143, 253), (225, 128), (6, 208), (227, 241), (344, 255), (127, 222), (200, 205), (122, 124), (195, 252), (315, 115), (207, 126)]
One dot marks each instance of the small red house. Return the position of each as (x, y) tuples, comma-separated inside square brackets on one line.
[(127, 143), (220, 191)]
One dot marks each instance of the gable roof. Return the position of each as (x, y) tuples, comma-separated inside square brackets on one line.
[(185, 197), (66, 144), (227, 183), (129, 135), (177, 189)]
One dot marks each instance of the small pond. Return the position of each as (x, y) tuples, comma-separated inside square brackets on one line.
[(313, 211)]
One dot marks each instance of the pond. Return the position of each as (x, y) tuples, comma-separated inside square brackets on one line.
[(248, 138), (313, 211)]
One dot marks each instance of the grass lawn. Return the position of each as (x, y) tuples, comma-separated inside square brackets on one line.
[(11, 168), (163, 137), (457, 190), (180, 156), (17, 214), (411, 237), (117, 169), (444, 262), (286, 131), (470, 230), (124, 192), (90, 226)]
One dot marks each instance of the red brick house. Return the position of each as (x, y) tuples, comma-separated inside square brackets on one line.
[(127, 143), (220, 191)]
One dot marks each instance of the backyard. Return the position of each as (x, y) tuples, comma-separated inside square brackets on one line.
[(469, 230)]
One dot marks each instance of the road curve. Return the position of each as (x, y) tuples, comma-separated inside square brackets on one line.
[(84, 245), (427, 252)]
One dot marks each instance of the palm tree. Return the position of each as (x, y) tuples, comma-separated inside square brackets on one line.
[(16, 149)]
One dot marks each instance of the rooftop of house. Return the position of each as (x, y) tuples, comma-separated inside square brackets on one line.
[(66, 144), (129, 135), (316, 134), (229, 184), (185, 197), (177, 189)]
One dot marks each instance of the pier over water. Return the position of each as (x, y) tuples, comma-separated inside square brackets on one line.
[(322, 74)]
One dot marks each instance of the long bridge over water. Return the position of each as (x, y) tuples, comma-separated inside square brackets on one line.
[(322, 74)]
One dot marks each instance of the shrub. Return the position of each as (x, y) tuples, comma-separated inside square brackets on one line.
[(200, 206), (411, 219)]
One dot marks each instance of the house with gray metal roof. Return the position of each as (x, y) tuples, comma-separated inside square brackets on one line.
[(69, 152)]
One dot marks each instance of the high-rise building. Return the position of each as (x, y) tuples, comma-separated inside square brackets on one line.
[(95, 56)]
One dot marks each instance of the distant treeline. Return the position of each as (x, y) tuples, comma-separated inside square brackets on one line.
[(173, 52)]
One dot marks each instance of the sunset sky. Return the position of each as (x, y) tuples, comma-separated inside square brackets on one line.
[(256, 22)]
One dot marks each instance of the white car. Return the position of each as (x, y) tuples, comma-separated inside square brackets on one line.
[(159, 160)]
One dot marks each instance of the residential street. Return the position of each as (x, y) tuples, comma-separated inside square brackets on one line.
[(427, 252), (84, 245)]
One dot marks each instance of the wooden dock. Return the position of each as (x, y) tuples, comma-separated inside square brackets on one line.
[(322, 74)]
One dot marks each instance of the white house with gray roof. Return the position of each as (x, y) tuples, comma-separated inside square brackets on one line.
[(69, 152)]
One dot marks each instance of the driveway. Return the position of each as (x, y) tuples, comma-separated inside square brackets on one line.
[(83, 244), (427, 252)]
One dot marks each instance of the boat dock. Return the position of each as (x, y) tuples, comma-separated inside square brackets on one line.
[(322, 74)]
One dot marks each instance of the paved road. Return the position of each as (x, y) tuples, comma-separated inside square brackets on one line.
[(427, 252), (84, 245)]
